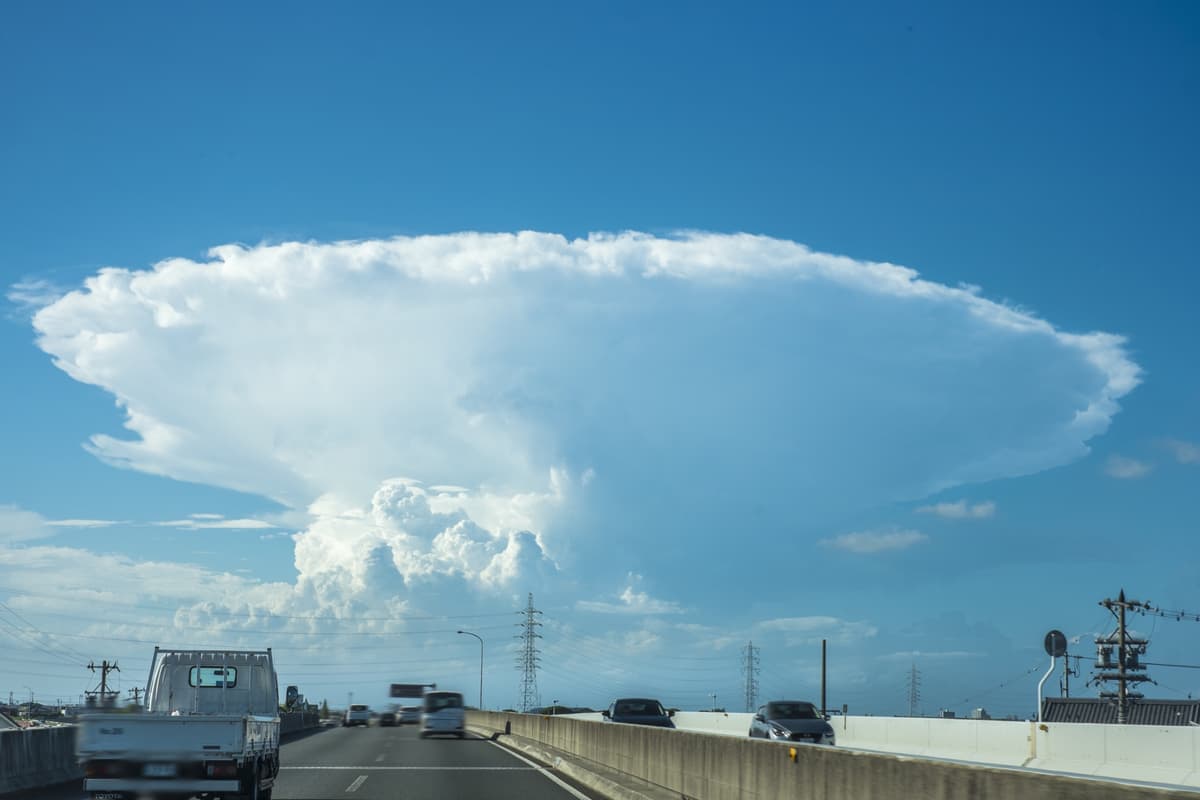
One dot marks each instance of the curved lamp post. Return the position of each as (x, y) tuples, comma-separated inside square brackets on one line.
[(480, 638)]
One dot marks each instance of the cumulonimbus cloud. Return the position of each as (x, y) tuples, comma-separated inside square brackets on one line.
[(495, 367)]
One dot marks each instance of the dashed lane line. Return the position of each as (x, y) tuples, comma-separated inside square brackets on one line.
[(359, 781)]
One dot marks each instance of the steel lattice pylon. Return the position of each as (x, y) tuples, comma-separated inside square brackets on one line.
[(527, 661)]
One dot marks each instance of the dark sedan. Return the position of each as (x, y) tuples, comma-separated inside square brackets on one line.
[(387, 719), (792, 721), (639, 711)]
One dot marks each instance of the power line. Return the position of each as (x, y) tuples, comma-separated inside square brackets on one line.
[(1166, 613), (1174, 666)]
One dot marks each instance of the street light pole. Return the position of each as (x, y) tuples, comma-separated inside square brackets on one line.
[(480, 638)]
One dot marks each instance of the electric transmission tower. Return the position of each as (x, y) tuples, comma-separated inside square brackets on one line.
[(750, 674), (914, 691), (528, 660)]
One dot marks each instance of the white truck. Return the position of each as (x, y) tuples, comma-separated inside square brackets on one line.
[(210, 729)]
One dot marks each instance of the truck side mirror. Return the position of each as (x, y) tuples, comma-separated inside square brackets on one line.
[(605, 713)]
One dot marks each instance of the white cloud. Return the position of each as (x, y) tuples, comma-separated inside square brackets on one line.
[(812, 629), (1124, 468), (868, 542), (631, 601), (32, 294), (17, 525), (508, 371), (82, 523), (210, 521), (960, 509), (1184, 452)]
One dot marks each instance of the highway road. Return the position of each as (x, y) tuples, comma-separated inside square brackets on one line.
[(392, 764)]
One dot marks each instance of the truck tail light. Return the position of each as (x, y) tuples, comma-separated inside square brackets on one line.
[(105, 768), (220, 769)]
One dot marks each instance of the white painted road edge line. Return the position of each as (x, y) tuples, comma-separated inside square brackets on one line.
[(535, 767), (359, 781), (544, 770)]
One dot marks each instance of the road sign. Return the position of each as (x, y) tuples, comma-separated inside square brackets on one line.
[(411, 689), (1056, 644)]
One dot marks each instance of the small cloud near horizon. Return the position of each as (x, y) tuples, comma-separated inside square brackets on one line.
[(868, 542), (631, 601), (213, 521), (1184, 452), (960, 510), (1123, 468)]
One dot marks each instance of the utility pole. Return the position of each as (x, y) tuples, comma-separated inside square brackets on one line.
[(914, 690), (750, 672), (527, 661), (137, 695), (1129, 670), (104, 694)]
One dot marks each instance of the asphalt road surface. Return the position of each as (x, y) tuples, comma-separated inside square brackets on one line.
[(392, 764), (395, 764)]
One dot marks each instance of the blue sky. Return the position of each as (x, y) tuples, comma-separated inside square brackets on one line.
[(873, 324)]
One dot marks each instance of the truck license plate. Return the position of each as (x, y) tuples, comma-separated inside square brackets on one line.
[(159, 771)]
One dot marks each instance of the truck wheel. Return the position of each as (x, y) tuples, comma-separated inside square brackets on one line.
[(254, 792)]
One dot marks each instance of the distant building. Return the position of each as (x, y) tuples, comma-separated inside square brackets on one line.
[(1103, 711), (980, 713), (946, 713)]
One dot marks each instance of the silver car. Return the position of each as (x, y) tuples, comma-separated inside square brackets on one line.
[(792, 721)]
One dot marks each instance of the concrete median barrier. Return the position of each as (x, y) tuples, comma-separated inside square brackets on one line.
[(37, 757), (706, 767)]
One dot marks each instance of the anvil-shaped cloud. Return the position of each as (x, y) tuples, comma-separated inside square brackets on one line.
[(684, 373)]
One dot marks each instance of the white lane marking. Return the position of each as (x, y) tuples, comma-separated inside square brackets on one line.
[(379, 757), (533, 768), (359, 781), (545, 771)]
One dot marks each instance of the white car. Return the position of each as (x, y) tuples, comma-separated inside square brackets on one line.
[(357, 715), (409, 715)]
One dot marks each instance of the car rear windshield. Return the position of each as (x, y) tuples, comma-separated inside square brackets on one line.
[(436, 701), (792, 711), (640, 708), (357, 707)]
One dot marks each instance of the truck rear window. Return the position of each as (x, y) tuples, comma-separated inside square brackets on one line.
[(213, 677)]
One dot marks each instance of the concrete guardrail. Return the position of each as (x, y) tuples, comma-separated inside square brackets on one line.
[(37, 757), (705, 767)]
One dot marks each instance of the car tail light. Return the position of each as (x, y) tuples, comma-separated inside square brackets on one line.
[(105, 768), (220, 769)]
